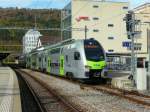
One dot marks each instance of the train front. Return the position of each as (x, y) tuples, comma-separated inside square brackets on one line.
[(95, 58)]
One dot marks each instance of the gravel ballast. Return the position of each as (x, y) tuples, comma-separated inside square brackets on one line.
[(87, 99)]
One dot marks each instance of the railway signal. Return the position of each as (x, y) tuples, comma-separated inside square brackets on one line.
[(131, 23)]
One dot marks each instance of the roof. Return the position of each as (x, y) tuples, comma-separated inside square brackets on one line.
[(142, 6), (33, 32), (45, 40)]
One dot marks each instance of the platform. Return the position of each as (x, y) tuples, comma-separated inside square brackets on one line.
[(9, 91)]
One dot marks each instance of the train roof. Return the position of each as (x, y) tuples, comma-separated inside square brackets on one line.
[(65, 42)]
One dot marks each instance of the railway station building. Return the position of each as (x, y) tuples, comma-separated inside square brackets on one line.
[(142, 13)]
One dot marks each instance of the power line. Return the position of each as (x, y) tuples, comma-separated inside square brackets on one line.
[(10, 45), (40, 29), (50, 2)]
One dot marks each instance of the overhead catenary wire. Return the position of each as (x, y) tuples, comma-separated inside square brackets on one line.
[(49, 4)]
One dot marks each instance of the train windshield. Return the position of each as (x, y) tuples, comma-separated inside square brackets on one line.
[(93, 50)]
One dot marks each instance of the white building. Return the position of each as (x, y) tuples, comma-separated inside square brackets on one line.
[(30, 40), (104, 21), (142, 13)]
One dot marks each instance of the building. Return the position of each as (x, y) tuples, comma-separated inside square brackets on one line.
[(104, 21), (142, 13), (30, 40), (47, 40)]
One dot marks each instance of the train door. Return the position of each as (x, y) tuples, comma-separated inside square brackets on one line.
[(61, 66), (77, 60), (48, 64), (42, 65)]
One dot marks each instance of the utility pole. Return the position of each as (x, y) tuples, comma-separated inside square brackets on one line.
[(149, 48), (130, 21), (61, 27), (35, 25), (133, 60), (86, 32), (148, 34)]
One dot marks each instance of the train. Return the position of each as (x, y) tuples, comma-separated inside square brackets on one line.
[(81, 59)]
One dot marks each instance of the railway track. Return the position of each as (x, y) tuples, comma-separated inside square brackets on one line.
[(28, 98), (133, 96), (48, 100)]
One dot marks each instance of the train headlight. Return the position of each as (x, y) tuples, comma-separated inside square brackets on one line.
[(87, 68)]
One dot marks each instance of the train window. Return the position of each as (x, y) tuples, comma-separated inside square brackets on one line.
[(39, 59), (53, 51), (146, 64), (62, 61), (93, 50), (77, 56), (48, 62), (66, 58), (61, 50)]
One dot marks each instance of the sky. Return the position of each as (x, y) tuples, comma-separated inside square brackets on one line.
[(53, 3)]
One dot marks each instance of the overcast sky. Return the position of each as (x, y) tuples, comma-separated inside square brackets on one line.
[(53, 3)]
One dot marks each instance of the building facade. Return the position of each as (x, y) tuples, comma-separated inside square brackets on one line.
[(104, 21), (30, 40), (142, 13)]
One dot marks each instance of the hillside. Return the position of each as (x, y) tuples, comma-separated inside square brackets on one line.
[(14, 17)]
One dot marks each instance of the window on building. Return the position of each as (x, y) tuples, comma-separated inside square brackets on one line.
[(138, 46), (110, 38), (95, 18), (110, 50), (95, 30), (110, 25), (95, 6), (125, 7)]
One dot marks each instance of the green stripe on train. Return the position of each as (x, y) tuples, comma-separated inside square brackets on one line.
[(96, 65), (61, 70)]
